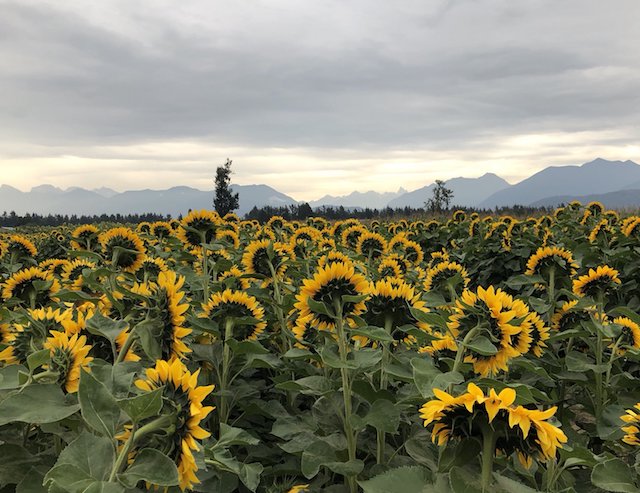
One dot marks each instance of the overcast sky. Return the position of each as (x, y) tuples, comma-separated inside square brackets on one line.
[(313, 97)]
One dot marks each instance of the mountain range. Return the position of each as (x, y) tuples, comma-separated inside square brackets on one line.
[(614, 183)]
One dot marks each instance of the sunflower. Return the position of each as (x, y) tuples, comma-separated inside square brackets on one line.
[(350, 236), (516, 429), (72, 274), (229, 236), (54, 266), (161, 229), (183, 401), (84, 237), (446, 273), (306, 333), (228, 305), (123, 248), (328, 286), (631, 226), (632, 430), (390, 267), (276, 222), (100, 346), (23, 339), (198, 227), (20, 247), (601, 230), (259, 254), (151, 267), (299, 488), (333, 257), (442, 345), (32, 286), (495, 312), (69, 353), (167, 304), (233, 279), (538, 333), (601, 280), (630, 335), (437, 257), (371, 245), (547, 257), (390, 302)]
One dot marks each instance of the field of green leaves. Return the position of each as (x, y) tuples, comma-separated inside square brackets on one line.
[(211, 354)]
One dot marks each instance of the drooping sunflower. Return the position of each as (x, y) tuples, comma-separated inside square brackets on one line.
[(446, 274), (151, 267), (24, 338), (601, 280), (233, 279), (632, 429), (183, 401), (437, 257), (333, 257), (602, 231), (630, 336), (631, 226), (538, 332), (168, 304), (515, 428), (19, 247), (161, 229), (55, 266), (259, 254), (371, 245), (69, 353), (350, 235), (328, 286), (276, 222), (123, 248), (546, 258), (500, 315), (389, 267), (198, 227), (100, 346), (84, 237), (72, 275), (27, 286), (389, 305), (229, 305), (229, 236)]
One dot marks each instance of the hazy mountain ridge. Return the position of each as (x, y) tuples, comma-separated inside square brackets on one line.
[(46, 199), (370, 199), (595, 177), (614, 183), (467, 192)]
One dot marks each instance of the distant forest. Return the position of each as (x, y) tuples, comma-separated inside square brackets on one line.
[(262, 214)]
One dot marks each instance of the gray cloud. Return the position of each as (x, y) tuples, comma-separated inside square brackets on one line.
[(357, 78)]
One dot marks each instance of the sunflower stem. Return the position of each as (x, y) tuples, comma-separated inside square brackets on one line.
[(131, 339), (205, 268), (380, 435), (346, 392), (552, 292), (124, 453), (460, 353), (488, 451), (600, 390), (226, 362)]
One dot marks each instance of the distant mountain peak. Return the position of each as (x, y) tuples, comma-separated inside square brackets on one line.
[(46, 188)]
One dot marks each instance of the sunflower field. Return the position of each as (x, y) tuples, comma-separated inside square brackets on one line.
[(465, 355)]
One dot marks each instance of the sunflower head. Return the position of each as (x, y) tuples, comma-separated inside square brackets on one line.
[(32, 287), (161, 229), (183, 405), (69, 353), (265, 258), (547, 258), (199, 227), (123, 248), (20, 247), (84, 237), (371, 245), (389, 305), (328, 286), (241, 310), (599, 281)]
